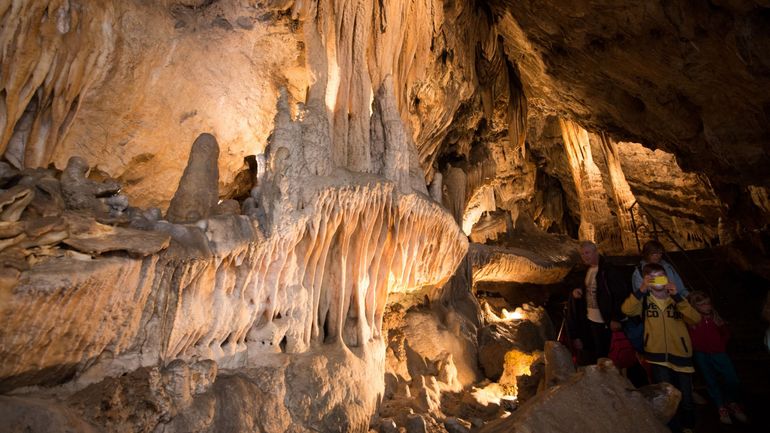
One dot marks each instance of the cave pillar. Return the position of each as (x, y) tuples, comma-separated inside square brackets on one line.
[(620, 191), (594, 212)]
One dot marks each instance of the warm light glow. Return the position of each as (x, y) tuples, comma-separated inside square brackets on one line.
[(490, 394), (333, 85), (519, 363), (517, 314)]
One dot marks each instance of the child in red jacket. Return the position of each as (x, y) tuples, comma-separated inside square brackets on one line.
[(709, 341)]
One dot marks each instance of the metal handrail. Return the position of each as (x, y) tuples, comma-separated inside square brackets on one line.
[(655, 225)]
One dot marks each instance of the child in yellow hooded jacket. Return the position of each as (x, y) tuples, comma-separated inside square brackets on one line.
[(667, 345)]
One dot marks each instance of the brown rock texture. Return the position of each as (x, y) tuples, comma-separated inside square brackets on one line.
[(598, 390), (679, 76), (130, 85), (316, 160), (198, 192)]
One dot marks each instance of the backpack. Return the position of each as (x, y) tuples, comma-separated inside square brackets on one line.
[(633, 327), (622, 353)]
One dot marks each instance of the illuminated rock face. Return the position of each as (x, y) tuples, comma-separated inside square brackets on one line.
[(315, 287), (659, 185), (586, 185), (519, 265), (272, 279), (681, 77), (295, 291), (451, 91), (130, 85)]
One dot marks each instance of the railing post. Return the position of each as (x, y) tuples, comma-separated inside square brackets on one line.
[(670, 237), (633, 226)]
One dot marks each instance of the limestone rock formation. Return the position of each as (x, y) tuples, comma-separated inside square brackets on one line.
[(81, 193), (322, 166), (681, 77), (296, 300), (598, 390), (198, 193), (518, 265)]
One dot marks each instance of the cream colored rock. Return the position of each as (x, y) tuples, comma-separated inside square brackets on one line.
[(658, 182), (80, 87), (519, 265), (226, 297)]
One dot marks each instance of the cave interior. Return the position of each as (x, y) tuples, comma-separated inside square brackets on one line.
[(368, 215)]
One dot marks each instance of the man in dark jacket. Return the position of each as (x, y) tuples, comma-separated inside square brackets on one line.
[(594, 310)]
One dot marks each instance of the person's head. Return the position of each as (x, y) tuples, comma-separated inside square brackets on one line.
[(652, 252), (701, 301), (659, 277), (588, 253)]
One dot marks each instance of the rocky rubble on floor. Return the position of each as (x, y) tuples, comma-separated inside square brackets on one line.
[(516, 379), (597, 399), (439, 365)]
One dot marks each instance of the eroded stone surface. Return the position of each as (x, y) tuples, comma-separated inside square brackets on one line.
[(598, 390), (348, 109), (198, 193)]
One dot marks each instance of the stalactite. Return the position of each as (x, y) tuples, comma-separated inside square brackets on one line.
[(51, 55), (622, 196), (517, 113), (360, 243), (596, 222)]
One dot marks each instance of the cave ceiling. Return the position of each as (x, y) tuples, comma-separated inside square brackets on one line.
[(479, 86), (690, 78)]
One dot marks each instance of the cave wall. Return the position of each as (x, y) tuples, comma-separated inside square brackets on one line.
[(382, 136), (454, 91), (128, 85), (679, 76)]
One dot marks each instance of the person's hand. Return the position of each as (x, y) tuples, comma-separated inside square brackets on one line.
[(577, 344), (645, 283), (615, 326), (577, 293), (671, 288)]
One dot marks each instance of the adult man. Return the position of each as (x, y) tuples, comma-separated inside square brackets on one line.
[(595, 309)]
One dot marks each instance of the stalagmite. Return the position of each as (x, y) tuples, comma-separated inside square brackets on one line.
[(340, 215), (437, 188)]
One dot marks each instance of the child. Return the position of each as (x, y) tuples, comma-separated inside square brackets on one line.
[(667, 345), (709, 340)]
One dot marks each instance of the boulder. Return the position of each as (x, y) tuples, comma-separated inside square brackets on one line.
[(597, 399), (664, 399), (558, 363)]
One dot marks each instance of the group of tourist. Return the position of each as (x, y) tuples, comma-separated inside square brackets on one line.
[(667, 330)]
